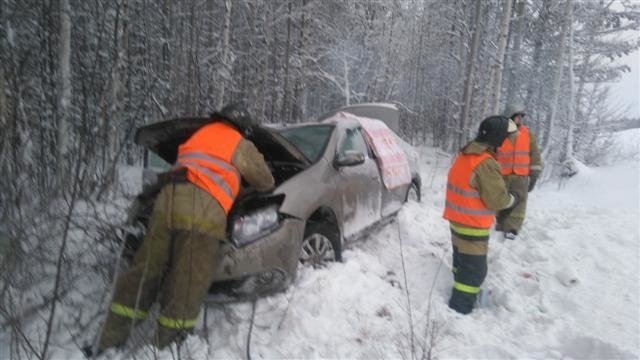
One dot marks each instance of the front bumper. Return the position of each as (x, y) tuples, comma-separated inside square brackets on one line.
[(265, 266)]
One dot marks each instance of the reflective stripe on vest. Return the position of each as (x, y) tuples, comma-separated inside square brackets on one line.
[(207, 156), (463, 203), (185, 160), (472, 194), (128, 312), (176, 323), (468, 211), (515, 158)]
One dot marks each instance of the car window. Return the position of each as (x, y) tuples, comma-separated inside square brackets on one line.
[(353, 140), (310, 140)]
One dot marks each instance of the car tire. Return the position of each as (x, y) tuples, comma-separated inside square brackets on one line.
[(413, 193), (320, 245)]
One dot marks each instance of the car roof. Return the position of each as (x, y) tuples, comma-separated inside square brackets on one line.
[(387, 113), (335, 122)]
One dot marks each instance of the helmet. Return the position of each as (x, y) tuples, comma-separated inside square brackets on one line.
[(237, 115), (513, 108), (494, 129)]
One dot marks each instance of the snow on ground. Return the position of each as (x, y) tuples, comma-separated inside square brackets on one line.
[(567, 288)]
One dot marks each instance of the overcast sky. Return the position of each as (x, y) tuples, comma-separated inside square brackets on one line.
[(626, 93)]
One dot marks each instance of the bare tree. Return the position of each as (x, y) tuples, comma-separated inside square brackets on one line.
[(515, 56), (494, 86), (64, 91), (226, 54), (567, 155), (470, 73), (559, 68)]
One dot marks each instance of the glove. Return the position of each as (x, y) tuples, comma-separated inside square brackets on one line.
[(533, 177)]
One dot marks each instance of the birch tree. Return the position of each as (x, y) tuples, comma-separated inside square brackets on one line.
[(470, 72), (515, 55), (557, 76), (494, 87), (227, 56), (64, 91), (567, 155)]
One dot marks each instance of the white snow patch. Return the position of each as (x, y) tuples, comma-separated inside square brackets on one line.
[(584, 233)]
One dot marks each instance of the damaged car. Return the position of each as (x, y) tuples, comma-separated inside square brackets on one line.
[(335, 180)]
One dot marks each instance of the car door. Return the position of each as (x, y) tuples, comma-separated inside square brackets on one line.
[(359, 185), (391, 199)]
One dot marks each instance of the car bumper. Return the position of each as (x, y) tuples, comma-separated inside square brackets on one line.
[(265, 266)]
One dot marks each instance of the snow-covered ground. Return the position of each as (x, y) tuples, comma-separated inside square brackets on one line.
[(567, 288)]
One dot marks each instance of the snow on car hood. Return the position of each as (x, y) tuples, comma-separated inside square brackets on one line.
[(163, 138)]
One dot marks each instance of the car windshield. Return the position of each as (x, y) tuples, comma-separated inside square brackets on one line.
[(311, 140)]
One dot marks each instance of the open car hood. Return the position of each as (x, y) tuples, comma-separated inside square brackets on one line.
[(163, 138)]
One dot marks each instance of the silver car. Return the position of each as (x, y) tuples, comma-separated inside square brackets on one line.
[(329, 192)]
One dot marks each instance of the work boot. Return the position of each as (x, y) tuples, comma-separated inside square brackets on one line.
[(510, 235), (89, 353), (462, 302), (115, 333), (165, 337)]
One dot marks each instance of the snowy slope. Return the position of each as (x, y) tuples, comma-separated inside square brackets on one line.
[(567, 288)]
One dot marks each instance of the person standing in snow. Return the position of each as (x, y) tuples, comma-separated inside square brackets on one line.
[(521, 163), (475, 191), (179, 252)]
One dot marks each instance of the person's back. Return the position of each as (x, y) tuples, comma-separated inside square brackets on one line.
[(475, 190)]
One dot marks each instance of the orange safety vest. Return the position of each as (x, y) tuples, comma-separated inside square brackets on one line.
[(463, 203), (207, 157), (515, 158)]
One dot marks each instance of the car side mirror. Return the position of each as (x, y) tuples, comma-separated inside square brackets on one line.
[(349, 158)]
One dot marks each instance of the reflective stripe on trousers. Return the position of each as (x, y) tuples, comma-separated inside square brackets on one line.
[(469, 230), (176, 323), (128, 312), (466, 288)]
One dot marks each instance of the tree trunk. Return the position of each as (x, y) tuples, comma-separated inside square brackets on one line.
[(516, 55), (165, 64), (534, 87), (492, 97), (300, 94), (64, 89), (418, 69), (284, 111), (470, 73), (266, 56), (4, 139), (226, 54), (347, 84), (568, 151), (557, 79), (4, 125)]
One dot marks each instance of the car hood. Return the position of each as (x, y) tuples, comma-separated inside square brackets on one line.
[(163, 138)]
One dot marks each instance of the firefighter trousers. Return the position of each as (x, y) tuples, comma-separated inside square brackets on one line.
[(470, 247), (175, 266), (512, 219)]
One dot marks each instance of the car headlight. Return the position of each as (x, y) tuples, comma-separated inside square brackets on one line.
[(258, 223)]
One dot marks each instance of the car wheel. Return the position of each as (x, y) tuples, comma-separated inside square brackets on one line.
[(413, 194), (319, 246)]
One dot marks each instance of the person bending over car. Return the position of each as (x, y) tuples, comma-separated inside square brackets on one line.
[(176, 261)]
